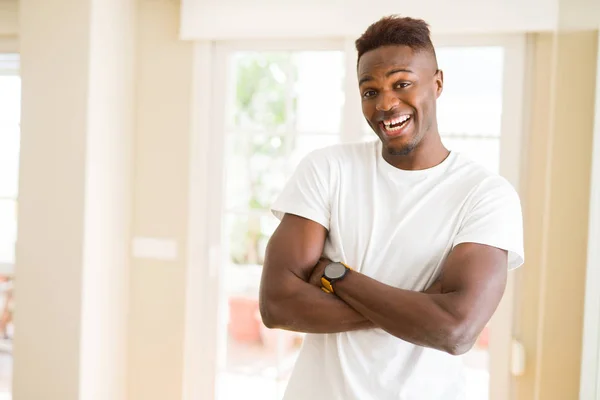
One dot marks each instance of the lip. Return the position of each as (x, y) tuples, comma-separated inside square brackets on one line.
[(398, 132)]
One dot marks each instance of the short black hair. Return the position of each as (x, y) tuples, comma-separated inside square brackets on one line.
[(394, 30)]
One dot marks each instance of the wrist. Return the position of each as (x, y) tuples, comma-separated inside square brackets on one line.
[(334, 273), (342, 285)]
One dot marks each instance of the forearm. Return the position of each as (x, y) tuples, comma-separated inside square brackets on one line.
[(416, 317), (306, 308)]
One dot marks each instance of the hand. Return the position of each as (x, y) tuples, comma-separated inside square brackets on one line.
[(317, 272)]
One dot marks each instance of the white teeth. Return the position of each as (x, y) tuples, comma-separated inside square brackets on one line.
[(397, 120), (394, 129)]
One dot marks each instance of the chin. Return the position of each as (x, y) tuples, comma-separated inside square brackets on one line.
[(399, 147), (400, 150)]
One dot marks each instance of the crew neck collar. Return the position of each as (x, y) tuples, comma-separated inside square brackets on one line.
[(411, 173)]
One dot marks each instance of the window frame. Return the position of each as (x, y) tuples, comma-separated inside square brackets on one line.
[(204, 255)]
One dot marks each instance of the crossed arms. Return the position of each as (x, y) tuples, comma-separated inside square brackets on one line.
[(448, 316)]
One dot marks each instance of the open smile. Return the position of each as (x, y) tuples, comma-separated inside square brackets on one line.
[(395, 126)]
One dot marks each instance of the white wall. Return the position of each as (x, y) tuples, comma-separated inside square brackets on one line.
[(577, 15), (72, 256), (48, 287), (9, 24), (227, 19), (164, 80)]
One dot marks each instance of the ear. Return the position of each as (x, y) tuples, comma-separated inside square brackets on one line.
[(439, 83)]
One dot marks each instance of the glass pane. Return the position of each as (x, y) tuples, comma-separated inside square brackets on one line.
[(485, 151), (248, 235), (10, 105), (261, 86), (319, 90), (471, 102), (254, 169), (10, 99), (258, 166), (10, 116), (282, 105), (258, 360), (282, 91), (8, 231)]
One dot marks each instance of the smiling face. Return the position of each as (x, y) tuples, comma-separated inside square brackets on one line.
[(399, 88)]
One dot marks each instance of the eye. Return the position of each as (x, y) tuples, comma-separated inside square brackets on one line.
[(402, 85), (369, 93)]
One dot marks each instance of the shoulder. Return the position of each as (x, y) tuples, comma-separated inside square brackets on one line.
[(479, 179), (486, 192)]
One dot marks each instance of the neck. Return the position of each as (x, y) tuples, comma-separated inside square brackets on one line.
[(429, 153)]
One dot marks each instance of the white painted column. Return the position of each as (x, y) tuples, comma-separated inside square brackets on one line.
[(590, 355), (74, 203)]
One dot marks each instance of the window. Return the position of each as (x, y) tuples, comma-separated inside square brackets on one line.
[(272, 103), (10, 103), (470, 108)]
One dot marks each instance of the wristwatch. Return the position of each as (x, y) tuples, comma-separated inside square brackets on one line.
[(334, 272)]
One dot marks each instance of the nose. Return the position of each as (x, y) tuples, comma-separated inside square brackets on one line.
[(387, 101)]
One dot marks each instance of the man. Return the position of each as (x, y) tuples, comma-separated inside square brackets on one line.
[(391, 255)]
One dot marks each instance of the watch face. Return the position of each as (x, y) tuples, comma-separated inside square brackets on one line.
[(335, 271)]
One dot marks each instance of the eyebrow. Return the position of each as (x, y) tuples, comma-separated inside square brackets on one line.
[(387, 74)]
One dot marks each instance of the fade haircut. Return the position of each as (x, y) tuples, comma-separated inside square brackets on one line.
[(396, 31)]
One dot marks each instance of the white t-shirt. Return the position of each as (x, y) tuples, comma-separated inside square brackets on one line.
[(398, 227)]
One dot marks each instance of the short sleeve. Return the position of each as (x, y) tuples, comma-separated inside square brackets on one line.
[(306, 194), (495, 219)]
